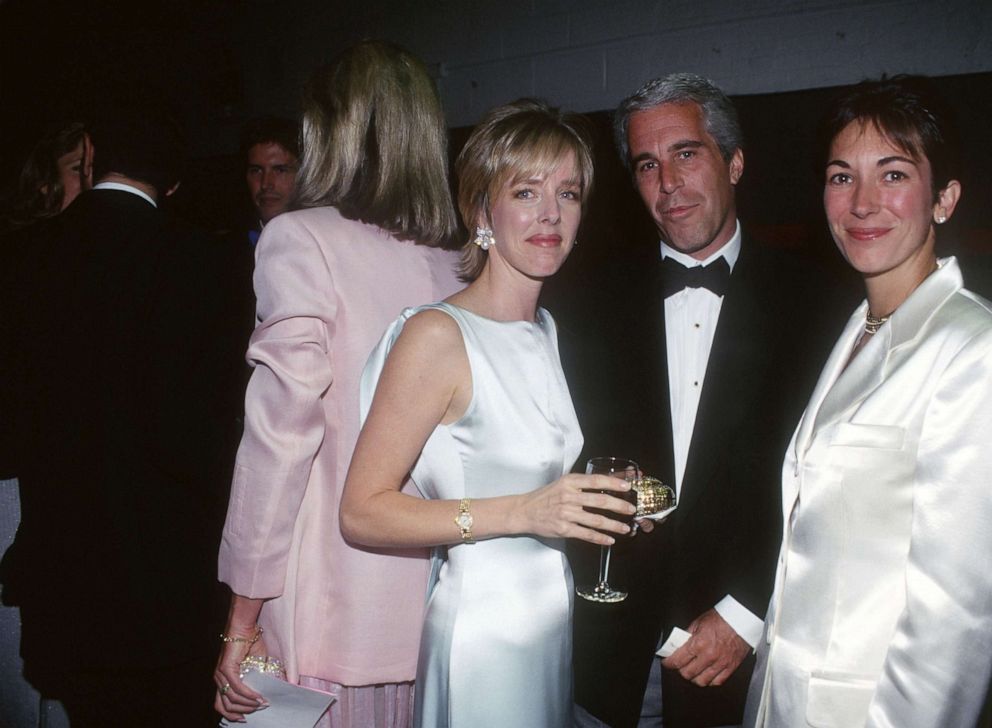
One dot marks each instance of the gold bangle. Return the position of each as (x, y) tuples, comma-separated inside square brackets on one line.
[(244, 640)]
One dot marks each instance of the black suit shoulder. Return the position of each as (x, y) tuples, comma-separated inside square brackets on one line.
[(129, 402)]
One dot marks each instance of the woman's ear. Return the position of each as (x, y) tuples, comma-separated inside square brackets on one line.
[(947, 200), (483, 219)]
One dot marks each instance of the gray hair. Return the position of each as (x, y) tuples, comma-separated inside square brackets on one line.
[(719, 114)]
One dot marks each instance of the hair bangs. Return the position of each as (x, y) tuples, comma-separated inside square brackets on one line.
[(518, 141), (535, 153)]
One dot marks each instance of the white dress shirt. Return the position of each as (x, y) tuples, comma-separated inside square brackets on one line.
[(125, 188), (691, 317)]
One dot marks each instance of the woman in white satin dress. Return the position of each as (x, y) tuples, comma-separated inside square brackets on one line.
[(882, 609), (469, 397)]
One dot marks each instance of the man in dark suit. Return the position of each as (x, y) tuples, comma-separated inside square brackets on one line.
[(270, 148), (697, 366), (125, 403)]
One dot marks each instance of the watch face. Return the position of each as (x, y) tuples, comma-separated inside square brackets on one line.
[(464, 520)]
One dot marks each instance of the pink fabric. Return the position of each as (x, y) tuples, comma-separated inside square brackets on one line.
[(327, 288), (372, 706)]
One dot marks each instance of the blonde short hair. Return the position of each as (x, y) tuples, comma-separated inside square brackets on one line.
[(513, 142), (375, 144)]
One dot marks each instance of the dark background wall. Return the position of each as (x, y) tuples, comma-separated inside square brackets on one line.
[(223, 61)]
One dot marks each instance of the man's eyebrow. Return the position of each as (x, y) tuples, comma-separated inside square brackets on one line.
[(685, 144), (641, 157)]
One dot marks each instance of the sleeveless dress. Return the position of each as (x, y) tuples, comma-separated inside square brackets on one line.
[(496, 648)]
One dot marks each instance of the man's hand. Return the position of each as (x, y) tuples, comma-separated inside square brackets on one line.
[(712, 653)]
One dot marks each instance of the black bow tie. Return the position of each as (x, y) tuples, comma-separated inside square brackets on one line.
[(675, 276)]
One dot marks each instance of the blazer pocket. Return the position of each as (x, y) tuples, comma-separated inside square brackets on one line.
[(880, 437), (838, 699)]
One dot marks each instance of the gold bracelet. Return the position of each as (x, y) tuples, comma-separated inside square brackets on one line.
[(244, 640), (464, 520)]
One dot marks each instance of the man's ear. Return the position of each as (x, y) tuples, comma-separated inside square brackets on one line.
[(86, 168), (736, 166)]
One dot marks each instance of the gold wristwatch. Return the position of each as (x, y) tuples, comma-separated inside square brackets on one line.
[(464, 520)]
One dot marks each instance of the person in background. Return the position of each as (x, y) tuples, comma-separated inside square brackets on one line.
[(881, 614), (270, 148), (125, 414), (329, 278), (52, 176)]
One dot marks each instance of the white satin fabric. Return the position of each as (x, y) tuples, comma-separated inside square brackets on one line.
[(882, 609), (496, 648)]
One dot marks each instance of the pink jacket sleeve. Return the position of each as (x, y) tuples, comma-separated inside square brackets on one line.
[(284, 414)]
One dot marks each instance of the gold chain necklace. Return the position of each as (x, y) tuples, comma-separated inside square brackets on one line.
[(874, 323)]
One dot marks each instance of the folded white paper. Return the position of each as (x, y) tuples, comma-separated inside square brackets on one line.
[(676, 639), (290, 706)]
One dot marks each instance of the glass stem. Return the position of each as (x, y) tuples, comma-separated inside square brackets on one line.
[(604, 564)]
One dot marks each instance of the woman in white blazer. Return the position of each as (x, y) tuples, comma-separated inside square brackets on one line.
[(882, 609)]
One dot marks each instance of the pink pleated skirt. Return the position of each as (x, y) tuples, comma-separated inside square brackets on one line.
[(368, 706)]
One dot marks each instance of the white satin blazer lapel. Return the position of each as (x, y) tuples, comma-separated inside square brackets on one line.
[(838, 389), (811, 420)]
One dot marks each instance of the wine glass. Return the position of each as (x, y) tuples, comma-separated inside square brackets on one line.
[(616, 468)]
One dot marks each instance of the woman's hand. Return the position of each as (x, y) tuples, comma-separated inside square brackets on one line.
[(234, 698), (558, 510), (242, 637)]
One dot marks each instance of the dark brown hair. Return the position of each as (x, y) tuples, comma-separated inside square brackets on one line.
[(270, 129), (907, 111), (39, 188)]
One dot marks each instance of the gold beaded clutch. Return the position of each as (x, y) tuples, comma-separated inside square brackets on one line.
[(653, 496)]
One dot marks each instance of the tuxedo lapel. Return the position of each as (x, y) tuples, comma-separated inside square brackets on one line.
[(654, 370), (739, 347), (831, 370)]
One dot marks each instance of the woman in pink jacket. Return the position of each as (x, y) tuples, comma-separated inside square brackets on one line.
[(329, 279)]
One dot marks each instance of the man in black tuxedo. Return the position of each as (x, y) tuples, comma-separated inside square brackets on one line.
[(125, 398), (697, 366)]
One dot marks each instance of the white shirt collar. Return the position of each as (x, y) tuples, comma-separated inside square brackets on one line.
[(731, 251), (124, 188)]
